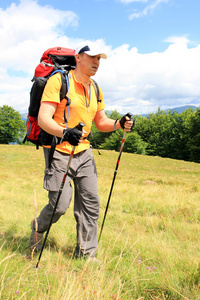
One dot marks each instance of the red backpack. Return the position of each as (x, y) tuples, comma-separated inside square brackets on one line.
[(56, 59), (53, 60)]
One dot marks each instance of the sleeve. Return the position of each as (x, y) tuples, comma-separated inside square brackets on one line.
[(51, 91)]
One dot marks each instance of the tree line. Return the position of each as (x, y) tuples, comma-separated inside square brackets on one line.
[(165, 134), (12, 127)]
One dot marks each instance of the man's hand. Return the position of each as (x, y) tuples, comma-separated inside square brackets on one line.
[(126, 122), (72, 135)]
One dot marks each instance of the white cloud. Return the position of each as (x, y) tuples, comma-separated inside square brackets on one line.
[(147, 9), (143, 82), (26, 28), (131, 81)]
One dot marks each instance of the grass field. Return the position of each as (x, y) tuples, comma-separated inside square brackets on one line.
[(150, 245)]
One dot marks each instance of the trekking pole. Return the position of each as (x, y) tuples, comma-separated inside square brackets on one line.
[(80, 126), (115, 173)]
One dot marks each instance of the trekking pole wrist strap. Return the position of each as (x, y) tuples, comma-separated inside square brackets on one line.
[(115, 124)]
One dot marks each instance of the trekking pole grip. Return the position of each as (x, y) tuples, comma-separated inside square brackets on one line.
[(129, 115), (80, 126)]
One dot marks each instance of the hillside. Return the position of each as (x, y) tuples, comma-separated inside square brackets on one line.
[(149, 247)]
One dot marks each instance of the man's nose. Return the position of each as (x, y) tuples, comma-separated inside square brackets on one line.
[(96, 60)]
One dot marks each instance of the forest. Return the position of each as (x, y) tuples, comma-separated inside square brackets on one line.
[(164, 133)]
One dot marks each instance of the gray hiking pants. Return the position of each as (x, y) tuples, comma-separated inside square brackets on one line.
[(86, 200)]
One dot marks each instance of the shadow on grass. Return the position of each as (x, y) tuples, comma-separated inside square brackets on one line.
[(14, 241)]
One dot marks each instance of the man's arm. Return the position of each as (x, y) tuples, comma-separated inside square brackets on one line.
[(105, 124), (46, 121)]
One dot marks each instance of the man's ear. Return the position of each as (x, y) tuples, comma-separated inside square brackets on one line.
[(77, 57)]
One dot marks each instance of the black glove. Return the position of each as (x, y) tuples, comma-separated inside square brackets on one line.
[(72, 135), (123, 120)]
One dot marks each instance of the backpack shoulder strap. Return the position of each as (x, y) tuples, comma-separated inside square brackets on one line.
[(65, 84), (63, 95), (96, 87)]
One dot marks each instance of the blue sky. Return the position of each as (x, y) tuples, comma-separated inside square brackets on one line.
[(111, 20), (153, 48)]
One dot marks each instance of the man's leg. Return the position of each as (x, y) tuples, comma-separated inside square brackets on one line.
[(52, 180), (86, 205)]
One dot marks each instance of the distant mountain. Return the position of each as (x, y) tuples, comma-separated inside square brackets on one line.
[(24, 117), (177, 109), (181, 108)]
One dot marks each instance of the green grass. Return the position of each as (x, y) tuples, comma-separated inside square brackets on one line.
[(149, 247)]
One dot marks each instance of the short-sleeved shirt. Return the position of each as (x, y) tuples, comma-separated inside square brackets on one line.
[(83, 107)]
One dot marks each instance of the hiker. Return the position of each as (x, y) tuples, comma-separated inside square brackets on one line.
[(83, 108)]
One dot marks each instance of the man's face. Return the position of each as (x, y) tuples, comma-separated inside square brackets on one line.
[(89, 64)]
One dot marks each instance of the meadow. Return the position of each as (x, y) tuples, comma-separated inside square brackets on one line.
[(149, 248)]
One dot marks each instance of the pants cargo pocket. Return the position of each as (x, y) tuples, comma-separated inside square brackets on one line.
[(50, 182)]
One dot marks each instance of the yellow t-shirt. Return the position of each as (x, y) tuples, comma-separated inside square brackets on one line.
[(83, 107)]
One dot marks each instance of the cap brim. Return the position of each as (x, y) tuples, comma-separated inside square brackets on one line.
[(90, 50), (102, 55)]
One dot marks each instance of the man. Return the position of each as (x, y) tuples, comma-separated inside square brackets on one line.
[(83, 108)]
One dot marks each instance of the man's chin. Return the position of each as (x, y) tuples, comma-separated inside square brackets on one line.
[(93, 72)]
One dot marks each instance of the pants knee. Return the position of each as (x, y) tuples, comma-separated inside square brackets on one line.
[(62, 205), (60, 211)]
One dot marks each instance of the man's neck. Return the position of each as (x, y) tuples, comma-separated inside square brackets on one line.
[(83, 78)]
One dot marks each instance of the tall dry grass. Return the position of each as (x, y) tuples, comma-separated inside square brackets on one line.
[(149, 247)]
